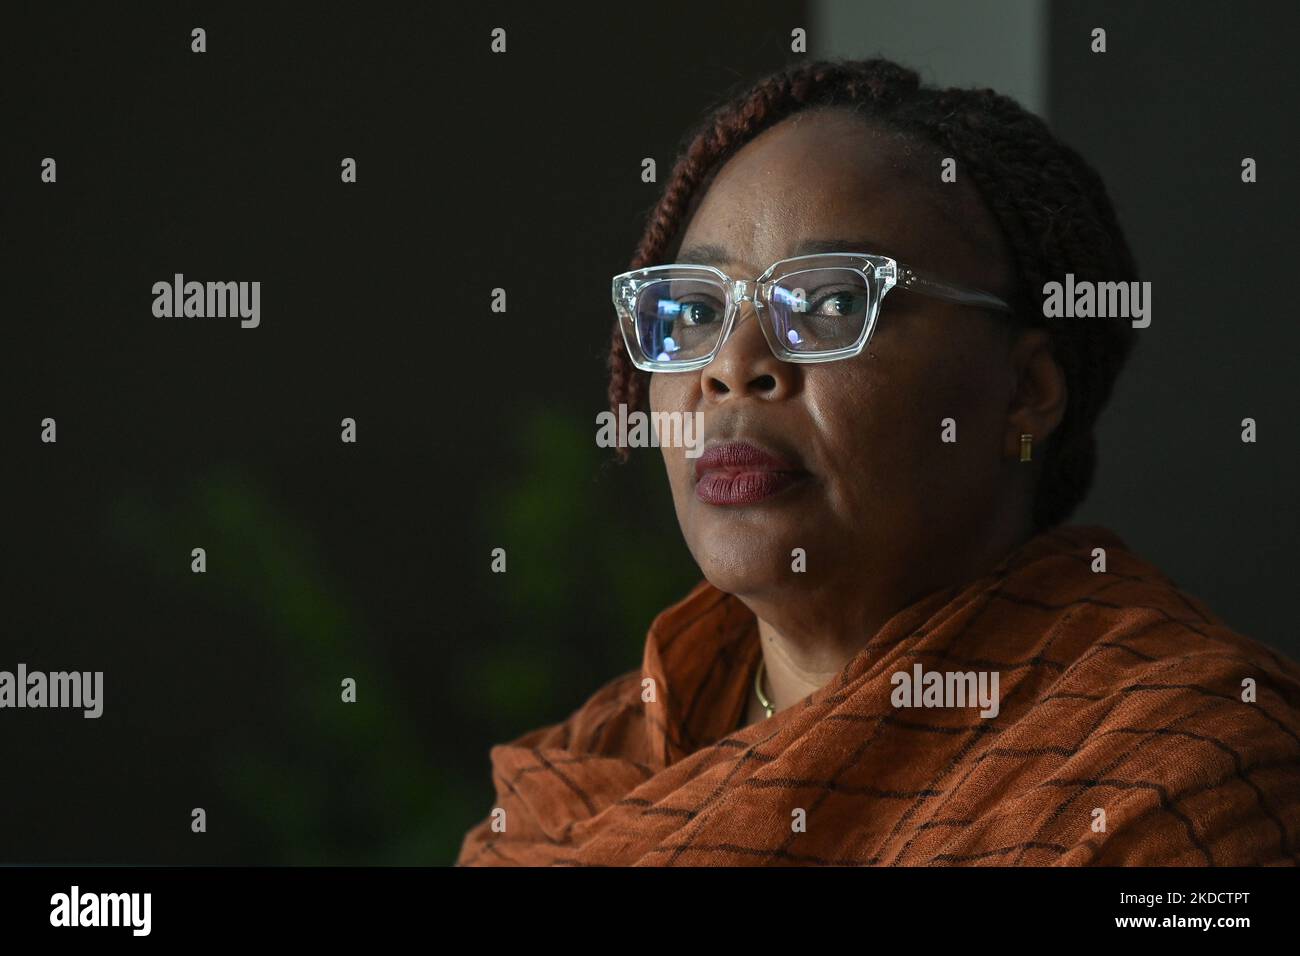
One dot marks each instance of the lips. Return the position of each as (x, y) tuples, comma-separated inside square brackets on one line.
[(738, 473)]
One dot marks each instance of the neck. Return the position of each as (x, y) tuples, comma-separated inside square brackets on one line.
[(808, 637)]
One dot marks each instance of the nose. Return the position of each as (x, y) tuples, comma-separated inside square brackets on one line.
[(745, 364)]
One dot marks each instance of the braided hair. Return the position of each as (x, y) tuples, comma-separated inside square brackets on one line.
[(1051, 206)]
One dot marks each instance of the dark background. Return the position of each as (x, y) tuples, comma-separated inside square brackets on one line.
[(1166, 115), (475, 429)]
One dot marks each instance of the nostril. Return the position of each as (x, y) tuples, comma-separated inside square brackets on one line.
[(765, 382)]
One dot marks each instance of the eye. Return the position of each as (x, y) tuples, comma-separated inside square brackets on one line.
[(697, 313), (840, 304)]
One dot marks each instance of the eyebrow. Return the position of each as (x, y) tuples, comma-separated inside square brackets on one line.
[(712, 254)]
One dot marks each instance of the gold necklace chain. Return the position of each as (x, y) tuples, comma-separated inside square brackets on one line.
[(768, 708)]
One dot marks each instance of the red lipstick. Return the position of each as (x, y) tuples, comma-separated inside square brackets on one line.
[(737, 473)]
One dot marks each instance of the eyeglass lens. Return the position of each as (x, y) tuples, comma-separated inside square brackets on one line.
[(809, 311)]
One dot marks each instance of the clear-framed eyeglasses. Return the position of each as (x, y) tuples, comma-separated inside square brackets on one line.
[(817, 308)]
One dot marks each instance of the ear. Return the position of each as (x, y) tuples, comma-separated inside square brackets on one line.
[(1039, 397)]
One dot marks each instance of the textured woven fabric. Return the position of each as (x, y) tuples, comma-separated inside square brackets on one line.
[(1121, 704)]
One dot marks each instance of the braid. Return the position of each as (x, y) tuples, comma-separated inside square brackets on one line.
[(1052, 208)]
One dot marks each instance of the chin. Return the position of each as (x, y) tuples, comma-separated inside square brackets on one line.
[(744, 564)]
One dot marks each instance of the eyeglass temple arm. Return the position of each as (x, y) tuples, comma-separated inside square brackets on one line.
[(909, 278)]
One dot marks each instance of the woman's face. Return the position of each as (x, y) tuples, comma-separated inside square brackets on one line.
[(883, 497)]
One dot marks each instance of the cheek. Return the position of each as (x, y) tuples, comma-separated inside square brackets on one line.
[(672, 393), (880, 419), (970, 385), (854, 407)]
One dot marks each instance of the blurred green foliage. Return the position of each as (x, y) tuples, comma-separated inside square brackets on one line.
[(312, 781)]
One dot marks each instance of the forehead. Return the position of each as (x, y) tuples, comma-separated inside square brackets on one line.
[(828, 175)]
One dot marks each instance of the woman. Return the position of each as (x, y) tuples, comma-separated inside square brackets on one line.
[(899, 653)]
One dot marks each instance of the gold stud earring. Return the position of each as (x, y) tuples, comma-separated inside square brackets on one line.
[(1026, 447)]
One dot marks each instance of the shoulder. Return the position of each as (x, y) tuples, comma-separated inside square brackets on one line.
[(613, 718), (1184, 733), (605, 723)]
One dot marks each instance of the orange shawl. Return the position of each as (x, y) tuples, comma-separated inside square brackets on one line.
[(1122, 737)]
